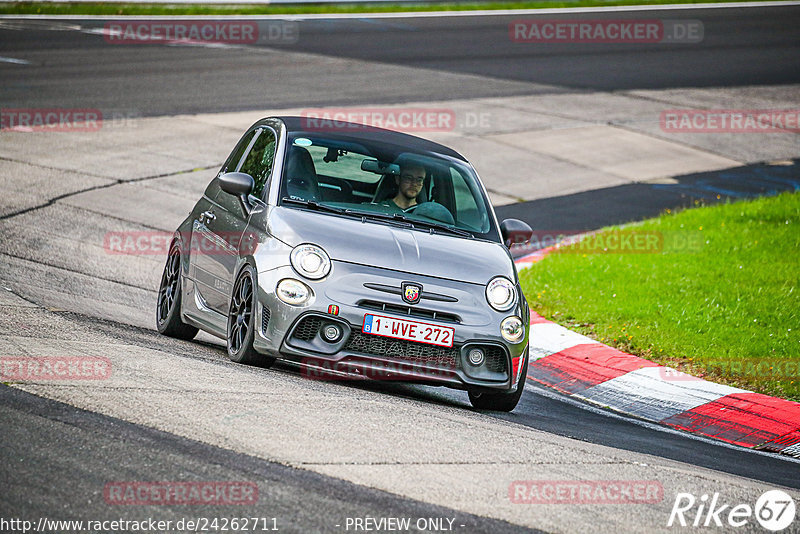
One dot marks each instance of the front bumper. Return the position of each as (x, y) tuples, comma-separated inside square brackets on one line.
[(294, 332)]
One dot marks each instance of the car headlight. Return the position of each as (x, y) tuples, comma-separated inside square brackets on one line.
[(311, 261), (500, 293), (293, 292), (512, 329)]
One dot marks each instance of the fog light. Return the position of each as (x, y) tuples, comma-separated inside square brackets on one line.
[(293, 292), (332, 333), (475, 357), (512, 329)]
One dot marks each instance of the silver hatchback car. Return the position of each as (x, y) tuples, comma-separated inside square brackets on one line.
[(356, 253)]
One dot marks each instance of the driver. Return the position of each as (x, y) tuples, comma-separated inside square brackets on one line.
[(409, 185)]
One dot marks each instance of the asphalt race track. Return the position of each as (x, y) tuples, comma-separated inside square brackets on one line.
[(469, 56), (323, 452)]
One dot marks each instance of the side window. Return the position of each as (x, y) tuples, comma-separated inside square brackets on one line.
[(258, 162), (238, 152), (213, 190), (469, 213)]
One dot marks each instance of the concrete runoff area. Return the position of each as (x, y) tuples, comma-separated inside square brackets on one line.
[(524, 148)]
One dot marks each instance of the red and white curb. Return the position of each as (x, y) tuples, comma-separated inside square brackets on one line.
[(594, 372)]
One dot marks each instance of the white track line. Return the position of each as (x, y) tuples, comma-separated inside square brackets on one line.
[(14, 60)]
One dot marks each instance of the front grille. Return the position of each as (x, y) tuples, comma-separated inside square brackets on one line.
[(410, 351), (410, 311), (307, 329)]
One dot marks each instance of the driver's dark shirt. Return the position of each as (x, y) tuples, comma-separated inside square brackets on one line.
[(389, 203)]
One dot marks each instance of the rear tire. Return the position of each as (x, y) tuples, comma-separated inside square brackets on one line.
[(499, 401), (241, 321), (168, 305)]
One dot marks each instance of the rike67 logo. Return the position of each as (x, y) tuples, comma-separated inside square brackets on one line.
[(774, 511)]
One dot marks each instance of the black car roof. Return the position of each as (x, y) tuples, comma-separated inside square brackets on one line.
[(353, 132)]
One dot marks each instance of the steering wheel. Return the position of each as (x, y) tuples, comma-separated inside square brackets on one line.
[(432, 210)]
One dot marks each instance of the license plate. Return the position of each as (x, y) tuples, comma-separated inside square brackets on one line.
[(380, 325)]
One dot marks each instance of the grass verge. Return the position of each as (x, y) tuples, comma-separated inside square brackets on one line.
[(712, 291), (121, 9)]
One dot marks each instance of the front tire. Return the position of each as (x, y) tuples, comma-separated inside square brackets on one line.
[(241, 321), (499, 401), (168, 306)]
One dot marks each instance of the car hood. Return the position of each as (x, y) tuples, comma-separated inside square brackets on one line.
[(390, 247)]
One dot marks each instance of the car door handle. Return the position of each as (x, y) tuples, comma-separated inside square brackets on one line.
[(208, 216)]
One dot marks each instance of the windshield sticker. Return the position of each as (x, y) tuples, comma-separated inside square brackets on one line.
[(302, 141)]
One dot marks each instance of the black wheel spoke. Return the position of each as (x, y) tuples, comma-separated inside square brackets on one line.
[(168, 319), (169, 285), (173, 265), (240, 313), (235, 339), (243, 291)]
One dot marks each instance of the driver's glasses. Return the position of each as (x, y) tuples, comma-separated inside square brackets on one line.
[(416, 180)]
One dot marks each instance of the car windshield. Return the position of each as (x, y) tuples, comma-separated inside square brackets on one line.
[(387, 182)]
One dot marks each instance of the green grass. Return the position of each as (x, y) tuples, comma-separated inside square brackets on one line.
[(100, 8), (734, 299)]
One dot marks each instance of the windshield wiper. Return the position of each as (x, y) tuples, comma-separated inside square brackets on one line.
[(437, 226), (397, 218), (412, 222), (313, 204), (379, 215)]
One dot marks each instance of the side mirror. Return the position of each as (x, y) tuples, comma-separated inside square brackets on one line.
[(515, 232), (238, 184)]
